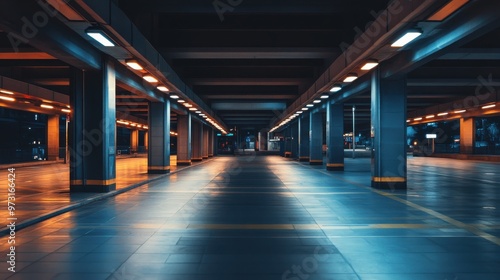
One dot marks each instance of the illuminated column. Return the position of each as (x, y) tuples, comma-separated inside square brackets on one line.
[(335, 137), (205, 141), (211, 136), (294, 131), (146, 139), (92, 129), (134, 140), (303, 124), (467, 135), (316, 138), (184, 151), (53, 137), (197, 142), (159, 138), (388, 131)]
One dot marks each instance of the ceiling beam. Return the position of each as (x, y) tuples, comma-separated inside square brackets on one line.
[(250, 106), (249, 53), (247, 81)]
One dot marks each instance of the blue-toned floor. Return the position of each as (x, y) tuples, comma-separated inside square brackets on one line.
[(250, 217)]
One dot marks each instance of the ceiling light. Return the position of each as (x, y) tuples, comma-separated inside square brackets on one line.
[(350, 77), (324, 96), (309, 105), (488, 106), (7, 98), (335, 88), (162, 88), (181, 101), (443, 114), (133, 64), (150, 78), (317, 101), (417, 119), (145, 127), (6, 91), (174, 96), (407, 120), (305, 109), (459, 111), (187, 105), (66, 110), (198, 112), (47, 106), (429, 116), (299, 112), (192, 109), (369, 65), (100, 36), (407, 38)]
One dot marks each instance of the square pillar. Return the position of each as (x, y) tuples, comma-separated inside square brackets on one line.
[(53, 137), (205, 141), (211, 145), (316, 138), (467, 135), (197, 142), (92, 129), (146, 140), (388, 131), (335, 137), (184, 151), (303, 125), (294, 134), (134, 140), (159, 138)]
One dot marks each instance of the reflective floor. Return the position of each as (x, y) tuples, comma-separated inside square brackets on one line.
[(250, 217)]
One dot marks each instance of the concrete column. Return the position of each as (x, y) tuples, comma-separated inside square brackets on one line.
[(184, 151), (134, 140), (303, 125), (159, 140), (315, 138), (146, 140), (205, 141), (294, 131), (287, 133), (467, 135), (388, 130), (197, 142), (92, 130), (335, 137), (53, 137), (211, 144)]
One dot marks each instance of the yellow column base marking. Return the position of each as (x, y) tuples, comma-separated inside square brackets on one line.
[(101, 182), (158, 167), (389, 179), (334, 165)]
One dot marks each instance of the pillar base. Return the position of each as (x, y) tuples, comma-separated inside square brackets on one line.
[(335, 166), (158, 169), (210, 155), (205, 157), (288, 154), (303, 159), (97, 188), (389, 183), (183, 162), (315, 162), (196, 159)]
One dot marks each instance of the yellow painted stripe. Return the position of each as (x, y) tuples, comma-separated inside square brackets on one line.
[(334, 164), (388, 179), (101, 182), (158, 167), (316, 160), (76, 182), (197, 158), (183, 161)]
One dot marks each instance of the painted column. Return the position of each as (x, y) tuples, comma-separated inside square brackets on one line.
[(184, 151), (211, 145), (134, 140), (205, 141), (197, 141), (53, 137), (467, 135), (335, 137), (303, 124), (146, 140), (92, 130), (388, 132), (316, 138), (159, 138), (294, 132)]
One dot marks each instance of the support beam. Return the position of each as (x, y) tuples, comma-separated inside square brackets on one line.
[(159, 138), (53, 137), (197, 142), (205, 144), (335, 136), (184, 151), (303, 124), (467, 135), (316, 138)]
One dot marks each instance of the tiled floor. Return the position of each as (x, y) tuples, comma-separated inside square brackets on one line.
[(253, 217)]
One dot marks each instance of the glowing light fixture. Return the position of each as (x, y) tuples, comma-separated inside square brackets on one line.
[(305, 109), (6, 92), (459, 111), (429, 116), (162, 88), (369, 65), (309, 105), (193, 109), (407, 38), (335, 88), (443, 114), (133, 64), (174, 96), (100, 36), (299, 112), (417, 119), (150, 78), (6, 98), (47, 106), (350, 77), (181, 101), (324, 96), (198, 112), (66, 110), (488, 106), (317, 101)]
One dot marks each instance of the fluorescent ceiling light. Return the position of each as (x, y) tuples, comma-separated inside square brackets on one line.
[(324, 96), (181, 101), (6, 92), (429, 116), (488, 106), (174, 96), (198, 112), (66, 110), (150, 78), (305, 109), (336, 88), (47, 106), (100, 36), (133, 64), (350, 77), (162, 88), (443, 114), (317, 101), (299, 112), (309, 105), (459, 111), (369, 65), (406, 38), (193, 109), (7, 98), (417, 119)]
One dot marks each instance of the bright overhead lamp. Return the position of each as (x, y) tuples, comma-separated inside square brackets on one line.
[(335, 88), (305, 109), (198, 112), (324, 96), (47, 106), (488, 106), (181, 101), (100, 36), (132, 63), (407, 120), (407, 38), (193, 109), (6, 98), (369, 65), (417, 119), (459, 111), (6, 92), (299, 112), (350, 77), (66, 110), (309, 105), (443, 114), (317, 101), (187, 105), (174, 96), (429, 116), (162, 88), (150, 78)]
